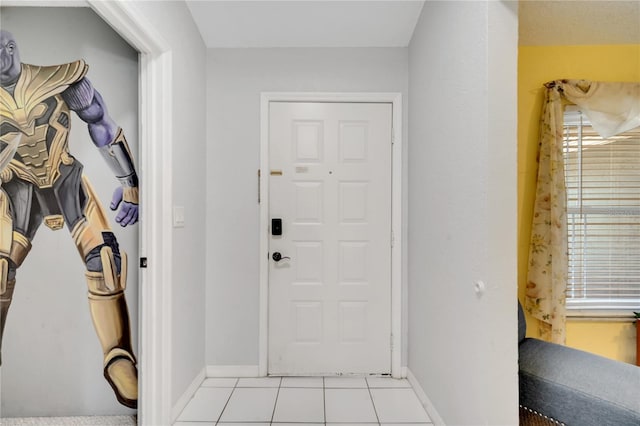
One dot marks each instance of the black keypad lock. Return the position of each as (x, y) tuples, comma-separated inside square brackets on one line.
[(276, 226)]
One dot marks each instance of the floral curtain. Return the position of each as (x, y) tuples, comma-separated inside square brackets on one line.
[(612, 108), (547, 277)]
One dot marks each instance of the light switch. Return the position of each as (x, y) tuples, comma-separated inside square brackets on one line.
[(178, 216)]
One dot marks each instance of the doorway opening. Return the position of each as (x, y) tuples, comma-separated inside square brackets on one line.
[(155, 118)]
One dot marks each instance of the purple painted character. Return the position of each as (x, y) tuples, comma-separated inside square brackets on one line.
[(42, 182)]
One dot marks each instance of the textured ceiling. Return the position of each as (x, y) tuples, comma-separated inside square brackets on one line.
[(306, 23), (571, 22)]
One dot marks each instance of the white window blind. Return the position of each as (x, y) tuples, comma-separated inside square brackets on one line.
[(603, 215)]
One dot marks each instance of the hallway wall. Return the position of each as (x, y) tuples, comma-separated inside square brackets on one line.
[(462, 210), (173, 21), (235, 79)]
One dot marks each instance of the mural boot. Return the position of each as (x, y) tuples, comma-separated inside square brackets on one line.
[(122, 375), (111, 320)]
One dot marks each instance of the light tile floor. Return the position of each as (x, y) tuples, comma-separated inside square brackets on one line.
[(338, 401)]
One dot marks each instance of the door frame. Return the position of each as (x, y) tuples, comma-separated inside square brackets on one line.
[(396, 211), (155, 130)]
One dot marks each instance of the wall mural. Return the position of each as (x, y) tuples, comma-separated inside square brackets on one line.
[(40, 181)]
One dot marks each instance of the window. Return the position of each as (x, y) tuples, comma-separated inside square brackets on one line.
[(603, 216)]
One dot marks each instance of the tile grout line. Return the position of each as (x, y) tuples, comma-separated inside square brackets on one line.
[(273, 413), (227, 403), (375, 410)]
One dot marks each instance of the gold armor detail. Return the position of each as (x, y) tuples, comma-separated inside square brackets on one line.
[(130, 194), (13, 245), (119, 138), (4, 275), (6, 225), (108, 282), (20, 248), (111, 320), (54, 222), (36, 84), (86, 237), (35, 155), (87, 233), (112, 280), (6, 175)]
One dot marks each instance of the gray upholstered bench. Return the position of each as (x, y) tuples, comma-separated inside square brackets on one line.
[(561, 385)]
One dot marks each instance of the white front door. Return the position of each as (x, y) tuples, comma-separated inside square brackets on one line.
[(330, 185)]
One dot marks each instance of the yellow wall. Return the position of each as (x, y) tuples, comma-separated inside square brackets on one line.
[(537, 65)]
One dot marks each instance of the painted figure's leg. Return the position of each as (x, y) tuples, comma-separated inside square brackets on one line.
[(14, 248), (7, 282), (5, 301), (106, 280)]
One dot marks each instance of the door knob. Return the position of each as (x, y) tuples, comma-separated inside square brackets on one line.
[(278, 257)]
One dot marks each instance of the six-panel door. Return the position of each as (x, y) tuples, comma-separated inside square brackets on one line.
[(330, 184)]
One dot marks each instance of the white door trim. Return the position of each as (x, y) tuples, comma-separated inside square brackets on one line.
[(154, 308), (396, 214)]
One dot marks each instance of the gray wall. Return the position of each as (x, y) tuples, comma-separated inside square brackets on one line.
[(235, 79), (174, 23), (52, 361), (462, 210)]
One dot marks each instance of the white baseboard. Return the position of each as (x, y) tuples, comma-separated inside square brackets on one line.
[(187, 395), (233, 371), (424, 399)]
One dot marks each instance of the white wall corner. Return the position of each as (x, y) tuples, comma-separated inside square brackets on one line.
[(182, 402), (233, 371), (424, 400)]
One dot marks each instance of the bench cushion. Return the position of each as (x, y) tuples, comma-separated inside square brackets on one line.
[(576, 387)]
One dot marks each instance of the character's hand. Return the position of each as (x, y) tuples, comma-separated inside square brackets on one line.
[(128, 214)]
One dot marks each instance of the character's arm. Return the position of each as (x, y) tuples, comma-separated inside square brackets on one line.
[(109, 138)]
